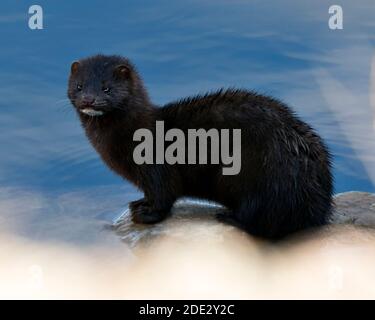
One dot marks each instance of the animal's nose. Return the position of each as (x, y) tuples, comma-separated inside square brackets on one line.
[(87, 100)]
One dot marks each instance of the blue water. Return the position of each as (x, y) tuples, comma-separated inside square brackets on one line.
[(53, 185)]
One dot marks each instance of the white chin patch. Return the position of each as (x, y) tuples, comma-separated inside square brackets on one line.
[(92, 112)]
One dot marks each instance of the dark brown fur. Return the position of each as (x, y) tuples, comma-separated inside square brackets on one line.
[(285, 183)]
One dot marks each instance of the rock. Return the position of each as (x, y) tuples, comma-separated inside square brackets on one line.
[(189, 218), (193, 219), (356, 208), (191, 254)]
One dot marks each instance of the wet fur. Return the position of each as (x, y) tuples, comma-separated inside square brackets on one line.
[(285, 183)]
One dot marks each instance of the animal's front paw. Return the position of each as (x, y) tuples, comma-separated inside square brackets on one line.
[(144, 214)]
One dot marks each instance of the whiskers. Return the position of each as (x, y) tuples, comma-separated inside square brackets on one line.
[(61, 101), (100, 104), (106, 106), (64, 105)]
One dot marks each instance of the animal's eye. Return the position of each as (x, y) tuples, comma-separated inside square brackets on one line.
[(106, 90), (79, 87)]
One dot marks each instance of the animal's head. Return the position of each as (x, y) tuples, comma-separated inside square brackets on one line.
[(102, 84)]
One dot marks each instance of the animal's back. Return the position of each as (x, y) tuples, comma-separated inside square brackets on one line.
[(285, 182)]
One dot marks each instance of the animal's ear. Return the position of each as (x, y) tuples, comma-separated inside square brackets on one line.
[(74, 67), (122, 72)]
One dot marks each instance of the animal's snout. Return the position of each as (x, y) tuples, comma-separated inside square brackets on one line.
[(87, 101)]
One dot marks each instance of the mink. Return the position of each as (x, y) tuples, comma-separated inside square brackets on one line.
[(285, 182)]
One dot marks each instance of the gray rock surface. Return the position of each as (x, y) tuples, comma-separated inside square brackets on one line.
[(192, 219), (185, 214), (356, 208)]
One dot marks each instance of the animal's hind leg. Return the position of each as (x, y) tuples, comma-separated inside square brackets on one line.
[(243, 216), (228, 218), (258, 219)]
